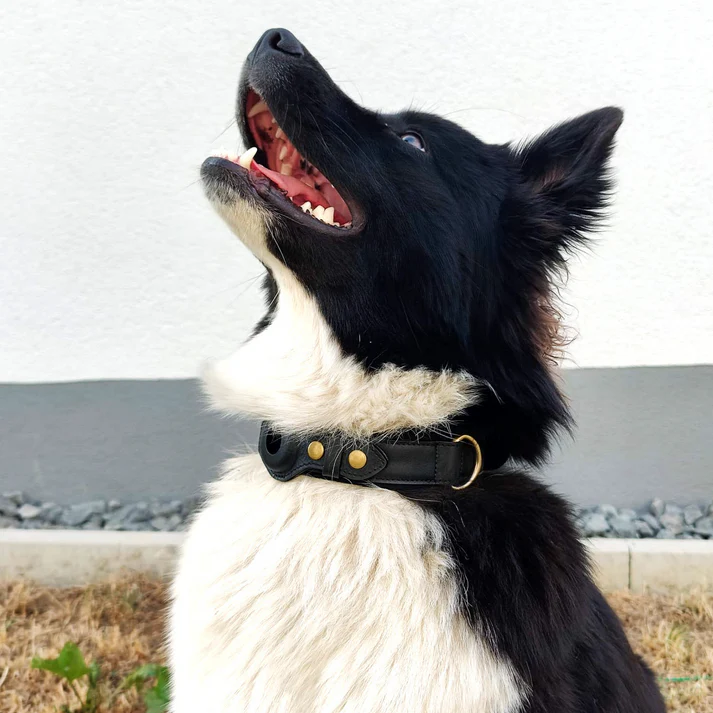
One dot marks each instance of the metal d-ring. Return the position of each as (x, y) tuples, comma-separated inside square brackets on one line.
[(478, 461)]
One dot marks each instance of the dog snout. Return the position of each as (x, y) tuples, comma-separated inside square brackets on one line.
[(278, 41)]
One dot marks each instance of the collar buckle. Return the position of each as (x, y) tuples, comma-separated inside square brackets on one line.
[(478, 461)]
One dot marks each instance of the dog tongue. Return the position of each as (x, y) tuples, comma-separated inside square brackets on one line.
[(291, 185), (295, 189)]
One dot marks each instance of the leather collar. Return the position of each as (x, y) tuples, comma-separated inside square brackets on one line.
[(389, 463)]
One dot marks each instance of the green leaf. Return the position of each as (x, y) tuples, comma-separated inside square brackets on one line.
[(149, 670), (94, 674), (68, 665), (158, 696), (139, 676)]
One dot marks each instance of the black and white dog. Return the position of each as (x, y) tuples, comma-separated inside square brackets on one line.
[(410, 272)]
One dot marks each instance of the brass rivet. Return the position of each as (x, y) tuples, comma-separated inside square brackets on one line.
[(315, 450), (357, 459)]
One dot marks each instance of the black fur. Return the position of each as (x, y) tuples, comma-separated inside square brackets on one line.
[(526, 577), (452, 263)]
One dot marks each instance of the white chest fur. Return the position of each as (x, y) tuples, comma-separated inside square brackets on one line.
[(316, 597)]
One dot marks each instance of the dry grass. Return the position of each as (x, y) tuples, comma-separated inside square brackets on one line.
[(121, 624), (675, 635)]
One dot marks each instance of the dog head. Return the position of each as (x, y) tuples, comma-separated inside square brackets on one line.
[(410, 265)]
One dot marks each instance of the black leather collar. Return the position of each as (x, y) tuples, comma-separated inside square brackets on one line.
[(389, 463)]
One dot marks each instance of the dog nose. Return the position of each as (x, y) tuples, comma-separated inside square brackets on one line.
[(281, 41)]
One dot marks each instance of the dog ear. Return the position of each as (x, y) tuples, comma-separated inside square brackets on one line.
[(565, 171)]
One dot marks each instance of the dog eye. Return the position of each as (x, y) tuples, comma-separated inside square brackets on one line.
[(415, 140)]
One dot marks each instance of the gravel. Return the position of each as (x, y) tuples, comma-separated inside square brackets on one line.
[(19, 510), (659, 519)]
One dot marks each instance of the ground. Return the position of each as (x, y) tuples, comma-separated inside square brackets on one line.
[(121, 624)]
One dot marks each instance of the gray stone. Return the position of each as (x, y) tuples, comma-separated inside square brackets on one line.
[(665, 534), (623, 527), (595, 525), (656, 507), (7, 507), (651, 521), (95, 522), (644, 529), (136, 526), (672, 509), (159, 523), (174, 521), (113, 505), (52, 513), (119, 517), (606, 510), (6, 521), (17, 497), (672, 521), (704, 527), (34, 525), (29, 511), (141, 513), (128, 514), (628, 514), (78, 514), (691, 513), (165, 509)]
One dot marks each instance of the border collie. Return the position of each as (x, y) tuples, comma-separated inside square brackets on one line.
[(388, 550)]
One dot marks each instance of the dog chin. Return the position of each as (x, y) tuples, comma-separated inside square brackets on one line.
[(247, 219)]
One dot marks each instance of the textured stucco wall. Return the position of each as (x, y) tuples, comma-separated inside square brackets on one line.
[(114, 267)]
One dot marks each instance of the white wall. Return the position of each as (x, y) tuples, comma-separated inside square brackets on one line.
[(113, 265)]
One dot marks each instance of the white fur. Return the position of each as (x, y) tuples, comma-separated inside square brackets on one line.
[(318, 597), (294, 374)]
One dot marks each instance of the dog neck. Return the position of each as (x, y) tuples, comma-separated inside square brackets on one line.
[(294, 374)]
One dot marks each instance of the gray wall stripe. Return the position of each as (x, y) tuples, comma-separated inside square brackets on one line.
[(641, 432)]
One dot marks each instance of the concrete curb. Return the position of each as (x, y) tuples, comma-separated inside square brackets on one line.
[(70, 557), (652, 565)]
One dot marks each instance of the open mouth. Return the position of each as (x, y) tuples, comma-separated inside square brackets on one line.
[(297, 181)]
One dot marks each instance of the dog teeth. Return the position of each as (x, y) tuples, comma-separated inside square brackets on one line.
[(247, 158), (283, 152), (279, 134), (286, 169), (257, 109), (326, 215)]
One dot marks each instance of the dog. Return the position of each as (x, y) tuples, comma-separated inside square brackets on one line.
[(387, 549)]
